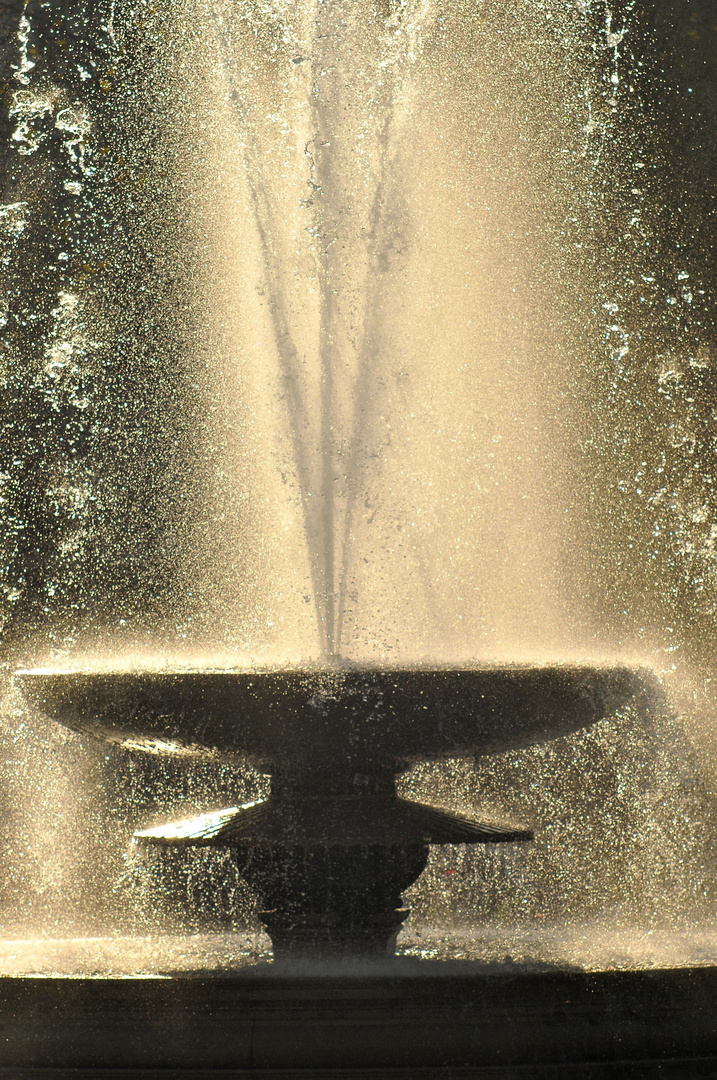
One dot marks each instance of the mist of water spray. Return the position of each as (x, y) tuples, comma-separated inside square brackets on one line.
[(407, 329), (344, 150), (359, 329)]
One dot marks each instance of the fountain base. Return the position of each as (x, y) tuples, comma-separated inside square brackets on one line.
[(329, 859), (333, 848), (332, 902)]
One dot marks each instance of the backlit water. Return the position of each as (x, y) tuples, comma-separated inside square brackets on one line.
[(375, 330)]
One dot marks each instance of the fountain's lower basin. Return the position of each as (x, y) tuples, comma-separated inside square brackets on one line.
[(509, 1022), (589, 946), (525, 1002)]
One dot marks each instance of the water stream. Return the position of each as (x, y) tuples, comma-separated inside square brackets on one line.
[(405, 354)]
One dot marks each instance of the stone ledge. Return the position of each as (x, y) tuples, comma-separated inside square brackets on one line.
[(459, 1023)]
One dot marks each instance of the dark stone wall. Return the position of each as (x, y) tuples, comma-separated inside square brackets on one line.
[(448, 1021), (650, 465), (10, 12)]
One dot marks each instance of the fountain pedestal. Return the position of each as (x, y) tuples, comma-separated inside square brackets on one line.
[(329, 854), (323, 902)]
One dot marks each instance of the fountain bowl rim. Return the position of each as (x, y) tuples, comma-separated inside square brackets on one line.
[(348, 714)]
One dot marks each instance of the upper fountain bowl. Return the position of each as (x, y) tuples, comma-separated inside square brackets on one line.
[(344, 713)]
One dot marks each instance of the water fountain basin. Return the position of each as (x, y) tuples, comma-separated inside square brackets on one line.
[(276, 716)]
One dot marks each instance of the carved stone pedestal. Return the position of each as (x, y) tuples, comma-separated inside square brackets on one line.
[(329, 854)]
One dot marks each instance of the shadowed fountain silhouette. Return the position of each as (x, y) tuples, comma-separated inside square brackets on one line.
[(321, 141), (333, 847)]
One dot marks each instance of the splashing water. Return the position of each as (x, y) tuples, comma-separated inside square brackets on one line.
[(359, 329), (409, 412), (338, 339)]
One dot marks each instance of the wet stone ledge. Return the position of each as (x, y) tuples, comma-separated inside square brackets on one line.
[(452, 1020)]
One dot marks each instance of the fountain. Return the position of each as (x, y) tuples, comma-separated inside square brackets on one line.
[(333, 847), (327, 476)]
